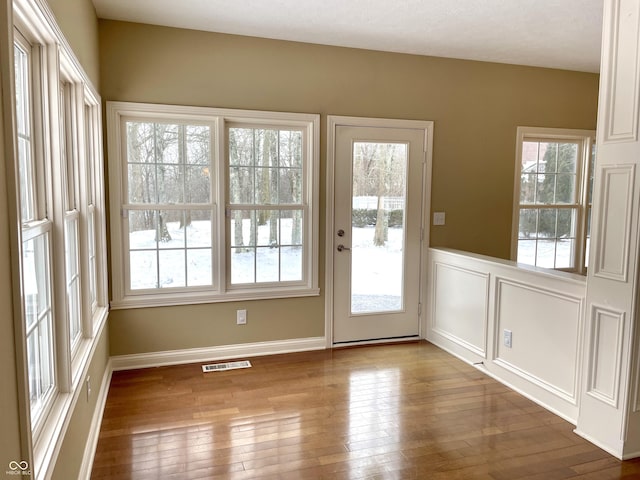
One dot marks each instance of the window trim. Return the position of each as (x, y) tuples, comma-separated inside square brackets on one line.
[(117, 112), (586, 141), (34, 23)]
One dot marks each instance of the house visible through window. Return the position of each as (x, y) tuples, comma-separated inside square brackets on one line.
[(215, 204), (553, 198)]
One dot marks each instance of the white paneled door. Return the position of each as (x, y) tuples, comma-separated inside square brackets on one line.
[(379, 200)]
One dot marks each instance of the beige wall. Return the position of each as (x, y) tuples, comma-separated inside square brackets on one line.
[(71, 453), (476, 108), (78, 21)]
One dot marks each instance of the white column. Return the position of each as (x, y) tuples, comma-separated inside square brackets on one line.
[(609, 414)]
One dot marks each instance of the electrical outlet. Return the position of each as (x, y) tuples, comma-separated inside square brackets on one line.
[(241, 317), (507, 338)]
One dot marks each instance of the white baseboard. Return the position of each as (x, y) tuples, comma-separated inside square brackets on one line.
[(224, 352), (94, 430), (610, 449)]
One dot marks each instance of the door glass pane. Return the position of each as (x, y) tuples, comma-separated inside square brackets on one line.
[(378, 226)]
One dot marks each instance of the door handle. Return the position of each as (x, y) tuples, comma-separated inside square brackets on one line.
[(341, 247)]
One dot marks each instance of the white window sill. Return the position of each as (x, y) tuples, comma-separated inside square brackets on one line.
[(173, 299)]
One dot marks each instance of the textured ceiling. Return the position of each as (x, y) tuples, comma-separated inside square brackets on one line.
[(546, 33)]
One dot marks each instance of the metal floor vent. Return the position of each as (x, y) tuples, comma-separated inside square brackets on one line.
[(220, 367)]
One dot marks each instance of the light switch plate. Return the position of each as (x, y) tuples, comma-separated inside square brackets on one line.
[(438, 218)]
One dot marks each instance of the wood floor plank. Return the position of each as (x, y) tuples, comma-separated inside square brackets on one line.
[(405, 411)]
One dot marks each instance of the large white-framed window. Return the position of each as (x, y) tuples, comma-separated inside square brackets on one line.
[(552, 197), (215, 204), (36, 230), (60, 225), (69, 182)]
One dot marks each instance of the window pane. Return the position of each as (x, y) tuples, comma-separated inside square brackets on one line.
[(268, 234), (172, 265), (142, 183), (528, 223), (170, 184), (198, 228), (37, 291), (241, 185), (291, 227), (166, 244), (257, 251), (291, 148), (547, 218), (166, 147), (529, 157), (199, 269), (566, 227), (142, 229), (72, 276), (290, 184), (198, 143), (546, 253), (565, 188), (241, 141), (291, 264), (567, 157), (197, 185), (143, 266), (545, 189), (170, 229), (243, 228), (548, 157), (242, 265), (267, 264), (265, 166), (140, 142), (93, 267), (266, 186), (527, 251), (565, 253), (377, 256), (528, 184), (26, 171), (168, 163)]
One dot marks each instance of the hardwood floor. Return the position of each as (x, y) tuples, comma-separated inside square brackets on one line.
[(405, 411)]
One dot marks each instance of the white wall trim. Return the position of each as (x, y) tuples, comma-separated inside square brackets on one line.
[(598, 313), (612, 259), (549, 376), (223, 352), (610, 449), (478, 350), (96, 422)]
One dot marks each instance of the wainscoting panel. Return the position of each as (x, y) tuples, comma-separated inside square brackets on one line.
[(612, 247), (473, 299), (605, 354), (623, 78), (460, 306), (544, 326)]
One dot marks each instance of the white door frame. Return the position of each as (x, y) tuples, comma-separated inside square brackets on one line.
[(334, 121)]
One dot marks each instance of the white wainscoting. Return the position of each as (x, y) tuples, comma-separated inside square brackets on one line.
[(473, 299)]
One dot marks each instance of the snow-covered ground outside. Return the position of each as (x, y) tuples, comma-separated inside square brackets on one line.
[(376, 283), (376, 271)]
